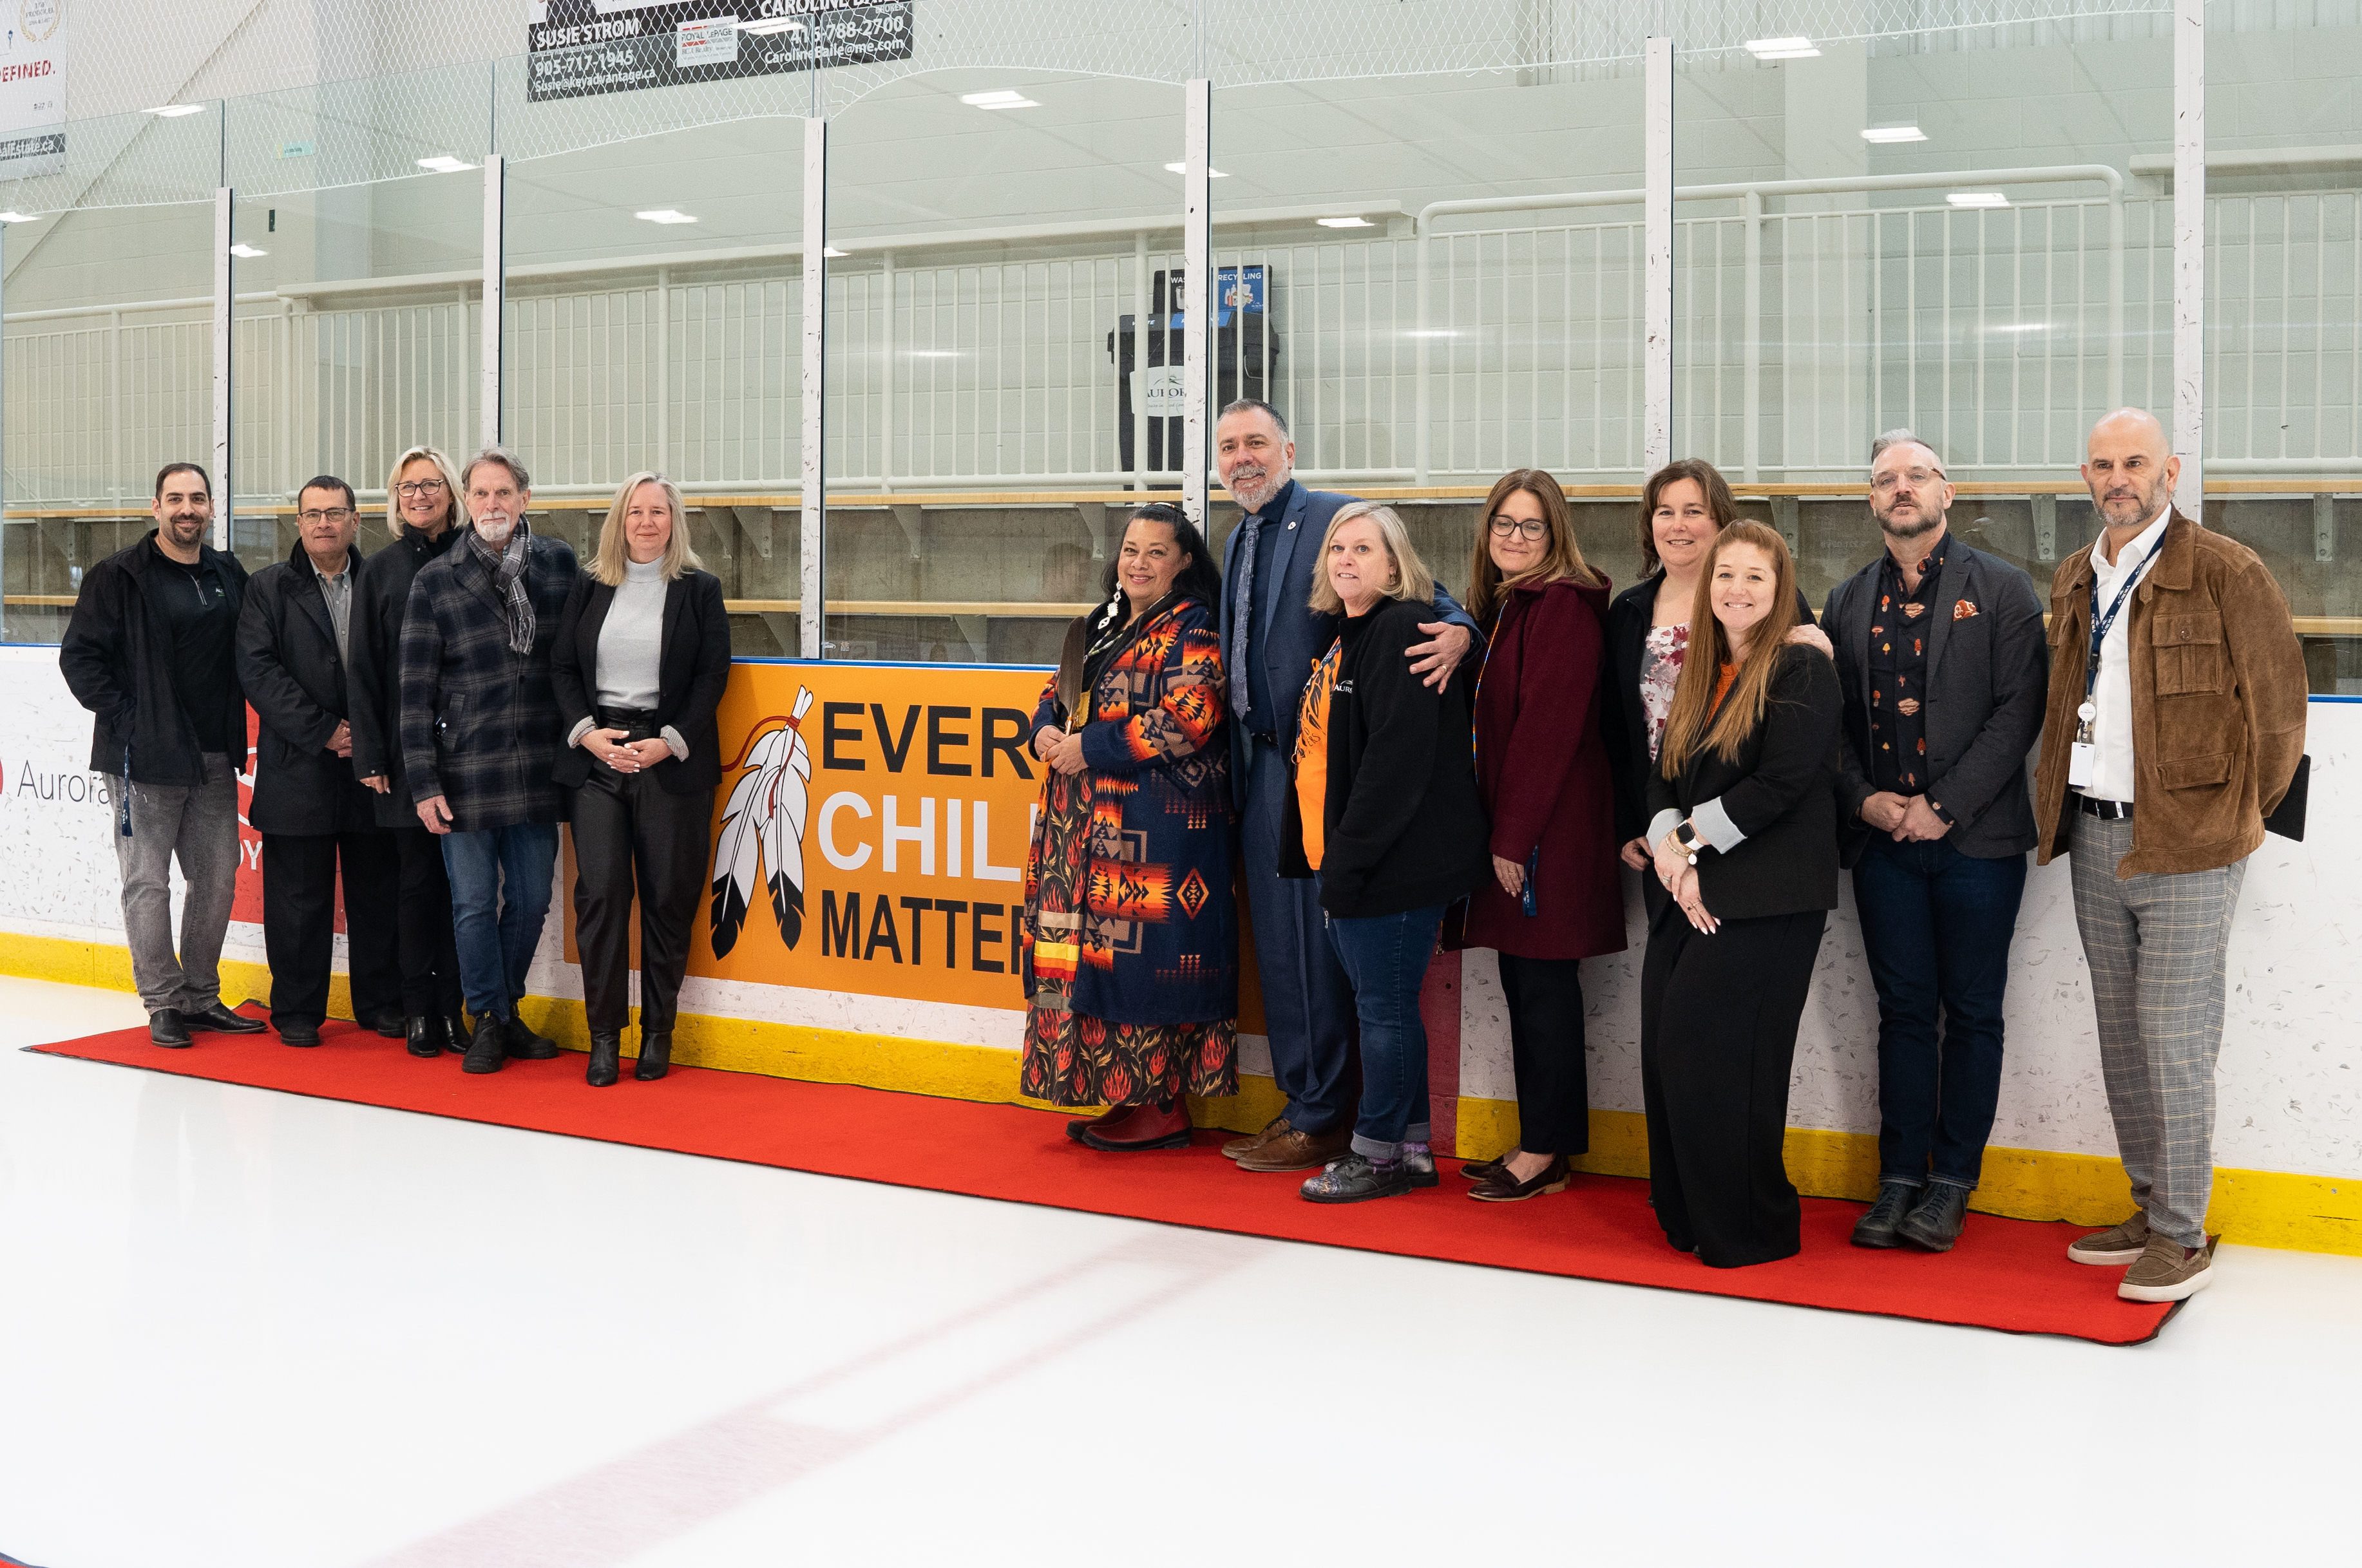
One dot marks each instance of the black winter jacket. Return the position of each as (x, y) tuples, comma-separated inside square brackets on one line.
[(693, 666), (287, 662), (373, 682), (116, 656), (1404, 826)]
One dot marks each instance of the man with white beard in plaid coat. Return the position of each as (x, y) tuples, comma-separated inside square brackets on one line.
[(479, 733)]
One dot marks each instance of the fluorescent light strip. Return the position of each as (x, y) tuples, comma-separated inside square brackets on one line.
[(1184, 169), (1885, 135), (444, 163), (246, 251), (664, 216), (13, 216), (174, 110), (1782, 48), (1001, 99)]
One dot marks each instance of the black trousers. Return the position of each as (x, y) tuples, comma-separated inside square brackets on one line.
[(429, 949), (1545, 997), (1719, 1020), (299, 919), (629, 834)]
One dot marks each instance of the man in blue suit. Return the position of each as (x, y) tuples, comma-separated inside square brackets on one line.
[(1271, 636)]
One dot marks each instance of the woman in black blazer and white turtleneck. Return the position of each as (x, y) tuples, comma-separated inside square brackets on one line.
[(642, 655), (1744, 834)]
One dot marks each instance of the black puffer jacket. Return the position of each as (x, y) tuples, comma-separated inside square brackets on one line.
[(1405, 828), (116, 656), (374, 680)]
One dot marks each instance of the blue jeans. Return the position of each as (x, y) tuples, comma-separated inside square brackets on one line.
[(1386, 958), (496, 942), (1936, 925)]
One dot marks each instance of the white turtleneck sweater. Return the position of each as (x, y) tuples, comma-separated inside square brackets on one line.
[(631, 649)]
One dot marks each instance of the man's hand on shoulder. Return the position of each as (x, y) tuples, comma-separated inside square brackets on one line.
[(1435, 660)]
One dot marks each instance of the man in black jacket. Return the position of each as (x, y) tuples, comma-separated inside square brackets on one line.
[(294, 644), (149, 650), (1940, 651)]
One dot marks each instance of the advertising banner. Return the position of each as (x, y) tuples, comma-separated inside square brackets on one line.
[(32, 88), (581, 49)]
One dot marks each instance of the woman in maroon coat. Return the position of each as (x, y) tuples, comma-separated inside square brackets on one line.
[(1542, 769)]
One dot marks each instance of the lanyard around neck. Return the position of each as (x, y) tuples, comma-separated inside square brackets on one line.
[(2100, 623)]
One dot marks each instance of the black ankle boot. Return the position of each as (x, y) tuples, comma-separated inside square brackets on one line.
[(606, 1060), (655, 1056), (456, 1032), (1881, 1227), (1935, 1223), (487, 1050), (426, 1036)]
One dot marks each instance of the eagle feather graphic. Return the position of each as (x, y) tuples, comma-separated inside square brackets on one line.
[(761, 843)]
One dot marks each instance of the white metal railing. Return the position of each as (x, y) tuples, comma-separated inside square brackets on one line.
[(1997, 332)]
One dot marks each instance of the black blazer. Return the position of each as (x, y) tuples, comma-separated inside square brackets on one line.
[(1778, 793), (693, 667), (1988, 678), (373, 679), (1403, 825), (1623, 721), (288, 663)]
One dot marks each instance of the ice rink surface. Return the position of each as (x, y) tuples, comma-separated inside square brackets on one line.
[(244, 1328)]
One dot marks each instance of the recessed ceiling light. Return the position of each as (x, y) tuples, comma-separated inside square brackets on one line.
[(1345, 222), (13, 216), (664, 216), (247, 250), (762, 27), (1003, 99), (1782, 48), (1977, 199), (1883, 135), (444, 163), (1184, 169), (174, 110)]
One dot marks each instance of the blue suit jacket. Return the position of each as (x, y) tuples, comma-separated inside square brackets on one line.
[(1298, 634)]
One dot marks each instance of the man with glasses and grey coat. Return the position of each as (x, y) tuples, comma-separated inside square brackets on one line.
[(1939, 649)]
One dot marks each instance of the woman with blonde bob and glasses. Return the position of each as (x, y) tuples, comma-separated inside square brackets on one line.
[(642, 652), (1555, 896), (1384, 812), (1744, 833), (422, 512)]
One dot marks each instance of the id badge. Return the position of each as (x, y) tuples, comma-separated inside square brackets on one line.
[(2082, 761)]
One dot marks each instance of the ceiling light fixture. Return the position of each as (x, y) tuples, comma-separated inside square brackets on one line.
[(1884, 136), (1783, 49), (13, 216), (1977, 199), (763, 26), (248, 251), (444, 163), (1345, 222), (664, 216), (1003, 99), (174, 110), (831, 253), (1184, 169)]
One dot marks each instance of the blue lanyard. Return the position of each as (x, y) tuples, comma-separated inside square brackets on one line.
[(2100, 625)]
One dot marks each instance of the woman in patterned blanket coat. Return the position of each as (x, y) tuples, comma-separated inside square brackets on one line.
[(1129, 947)]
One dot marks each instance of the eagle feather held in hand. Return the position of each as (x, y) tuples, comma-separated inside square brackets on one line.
[(763, 831)]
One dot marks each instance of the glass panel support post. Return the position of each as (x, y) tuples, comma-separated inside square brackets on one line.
[(496, 291), (1197, 248), (1657, 255), (2188, 419), (224, 303), (816, 325)]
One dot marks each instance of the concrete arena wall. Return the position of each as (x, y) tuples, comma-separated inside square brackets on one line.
[(2289, 1139)]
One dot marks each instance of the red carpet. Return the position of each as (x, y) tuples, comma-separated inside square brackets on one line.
[(2006, 1274)]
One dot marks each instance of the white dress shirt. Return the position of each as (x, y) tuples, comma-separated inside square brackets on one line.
[(2113, 763)]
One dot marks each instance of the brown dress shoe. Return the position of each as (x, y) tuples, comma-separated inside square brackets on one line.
[(1238, 1148), (1292, 1150)]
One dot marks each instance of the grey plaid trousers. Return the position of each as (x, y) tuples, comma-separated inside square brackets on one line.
[(2157, 944)]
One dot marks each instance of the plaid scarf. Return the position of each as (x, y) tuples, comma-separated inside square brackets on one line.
[(507, 568)]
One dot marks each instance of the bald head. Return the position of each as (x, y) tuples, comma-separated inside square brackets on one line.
[(2129, 468)]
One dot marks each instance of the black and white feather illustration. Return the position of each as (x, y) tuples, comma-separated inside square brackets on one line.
[(761, 841)]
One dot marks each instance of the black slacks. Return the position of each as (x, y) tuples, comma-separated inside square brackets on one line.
[(428, 945), (1719, 1020), (629, 834), (299, 918), (1545, 998)]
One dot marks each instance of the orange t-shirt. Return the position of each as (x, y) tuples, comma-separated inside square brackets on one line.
[(1312, 754)]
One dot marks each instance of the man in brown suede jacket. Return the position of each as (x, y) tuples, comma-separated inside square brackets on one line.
[(2175, 723)]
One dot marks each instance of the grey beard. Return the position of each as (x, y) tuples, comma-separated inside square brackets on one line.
[(498, 532), (1259, 496)]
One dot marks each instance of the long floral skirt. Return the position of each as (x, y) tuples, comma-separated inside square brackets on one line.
[(1073, 1059)]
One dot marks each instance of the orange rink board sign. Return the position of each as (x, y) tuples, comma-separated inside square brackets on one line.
[(870, 830)]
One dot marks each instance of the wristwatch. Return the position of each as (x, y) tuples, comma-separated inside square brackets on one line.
[(1686, 836)]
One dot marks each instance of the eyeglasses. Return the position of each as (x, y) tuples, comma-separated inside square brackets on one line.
[(1919, 477), (1524, 528), (334, 514), (409, 488)]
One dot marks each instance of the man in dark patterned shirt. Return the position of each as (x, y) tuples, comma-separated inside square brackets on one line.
[(1939, 648)]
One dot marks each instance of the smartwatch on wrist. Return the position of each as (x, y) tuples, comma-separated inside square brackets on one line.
[(1686, 836)]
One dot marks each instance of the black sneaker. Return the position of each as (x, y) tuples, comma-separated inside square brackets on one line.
[(1881, 1227), (1355, 1179), (167, 1028), (1935, 1223)]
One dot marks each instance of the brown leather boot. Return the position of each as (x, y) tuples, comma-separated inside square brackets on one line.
[(1144, 1127), (1299, 1151)]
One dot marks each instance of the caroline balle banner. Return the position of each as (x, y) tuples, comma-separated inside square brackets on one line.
[(870, 830)]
